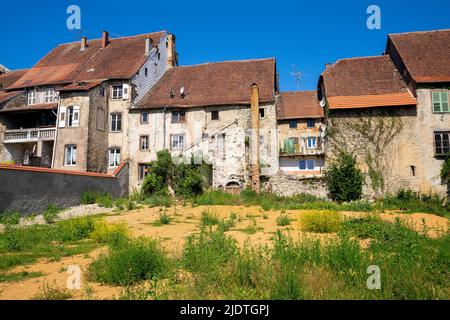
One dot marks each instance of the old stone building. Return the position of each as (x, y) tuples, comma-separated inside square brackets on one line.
[(204, 112)]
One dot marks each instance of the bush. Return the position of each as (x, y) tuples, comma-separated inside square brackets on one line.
[(52, 292), (105, 201), (225, 225), (344, 180), (75, 229), (154, 185), (89, 197), (10, 218), (164, 218), (140, 259), (115, 234), (51, 213), (209, 219), (188, 181), (283, 220), (320, 221)]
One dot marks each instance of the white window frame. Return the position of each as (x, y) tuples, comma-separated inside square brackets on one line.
[(49, 95), (116, 114), (70, 155), (113, 157), (32, 97), (180, 141), (117, 92), (308, 146), (144, 146), (73, 116)]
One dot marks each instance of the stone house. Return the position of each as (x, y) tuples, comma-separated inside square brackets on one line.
[(301, 131), (203, 112), (73, 114)]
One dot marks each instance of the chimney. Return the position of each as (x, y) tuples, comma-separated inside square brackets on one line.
[(83, 43), (254, 157), (105, 39), (148, 44), (171, 53)]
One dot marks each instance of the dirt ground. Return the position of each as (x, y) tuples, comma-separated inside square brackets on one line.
[(185, 221)]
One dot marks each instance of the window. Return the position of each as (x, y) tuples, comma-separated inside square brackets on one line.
[(49, 96), (178, 116), (215, 115), (293, 124), (307, 164), (116, 122), (144, 169), (440, 101), (143, 142), (144, 117), (146, 72), (441, 142), (114, 157), (312, 143), (262, 113), (32, 97), (117, 92), (311, 123), (73, 116), (177, 142), (70, 155), (101, 91)]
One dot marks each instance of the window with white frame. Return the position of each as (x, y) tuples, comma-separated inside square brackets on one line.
[(70, 158), (440, 101), (177, 142), (116, 122), (144, 170), (32, 97), (144, 142), (49, 95), (307, 165), (117, 92), (312, 143), (442, 142), (73, 116), (114, 157)]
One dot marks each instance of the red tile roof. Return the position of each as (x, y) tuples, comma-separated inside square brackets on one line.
[(220, 83), (7, 79), (34, 107), (120, 59), (298, 105), (365, 82), (426, 54)]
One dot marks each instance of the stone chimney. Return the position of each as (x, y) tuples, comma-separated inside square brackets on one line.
[(171, 53), (83, 43), (105, 39), (148, 45), (254, 157)]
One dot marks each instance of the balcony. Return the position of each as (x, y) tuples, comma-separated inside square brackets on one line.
[(299, 147), (29, 135)]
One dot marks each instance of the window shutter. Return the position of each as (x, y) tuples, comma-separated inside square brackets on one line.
[(76, 116), (62, 117), (444, 99), (126, 90)]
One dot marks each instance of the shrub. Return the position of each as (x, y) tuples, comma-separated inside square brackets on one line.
[(154, 185), (89, 197), (320, 221), (164, 218), (105, 201), (112, 233), (51, 213), (10, 218), (188, 181), (225, 224), (209, 219), (75, 229), (141, 259), (52, 292), (445, 169), (283, 220), (344, 180)]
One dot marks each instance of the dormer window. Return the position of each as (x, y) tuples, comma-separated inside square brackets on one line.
[(49, 96), (32, 97)]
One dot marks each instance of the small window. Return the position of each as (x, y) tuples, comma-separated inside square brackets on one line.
[(159, 56), (70, 158), (311, 123), (262, 113), (293, 124), (442, 143), (144, 117), (177, 142), (116, 122), (117, 92), (307, 164), (32, 97), (215, 115), (73, 116), (143, 143), (312, 143), (49, 95), (144, 169), (114, 157), (440, 101), (178, 116)]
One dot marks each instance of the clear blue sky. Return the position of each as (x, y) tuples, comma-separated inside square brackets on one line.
[(306, 34)]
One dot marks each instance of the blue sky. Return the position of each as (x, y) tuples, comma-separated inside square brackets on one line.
[(306, 34)]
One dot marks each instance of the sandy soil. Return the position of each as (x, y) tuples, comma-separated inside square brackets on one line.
[(185, 221)]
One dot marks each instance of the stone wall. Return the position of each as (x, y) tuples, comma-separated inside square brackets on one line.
[(289, 185), (30, 190)]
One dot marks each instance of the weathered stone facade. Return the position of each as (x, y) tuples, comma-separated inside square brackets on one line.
[(289, 185)]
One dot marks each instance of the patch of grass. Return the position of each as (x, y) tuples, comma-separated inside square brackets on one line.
[(320, 221), (52, 292), (18, 276), (115, 234), (226, 224), (283, 220), (163, 219), (209, 219), (105, 201), (159, 201), (140, 259), (89, 197), (10, 218), (252, 227), (51, 213)]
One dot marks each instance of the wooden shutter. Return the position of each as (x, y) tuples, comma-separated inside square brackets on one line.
[(76, 116), (125, 91), (62, 117)]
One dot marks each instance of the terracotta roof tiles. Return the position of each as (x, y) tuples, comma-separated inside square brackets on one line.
[(298, 105)]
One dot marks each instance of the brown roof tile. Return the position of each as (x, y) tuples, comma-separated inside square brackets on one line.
[(220, 83), (298, 104), (375, 78), (121, 58), (426, 54), (7, 79), (43, 106)]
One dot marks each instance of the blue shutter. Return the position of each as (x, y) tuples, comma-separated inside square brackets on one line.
[(311, 164), (302, 165)]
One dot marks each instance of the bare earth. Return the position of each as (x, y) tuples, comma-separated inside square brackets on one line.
[(185, 221)]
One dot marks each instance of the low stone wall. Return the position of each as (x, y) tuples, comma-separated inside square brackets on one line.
[(31, 189), (289, 185)]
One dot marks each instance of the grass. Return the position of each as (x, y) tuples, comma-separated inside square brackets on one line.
[(164, 218), (159, 201), (50, 214), (19, 276), (209, 219), (52, 292), (10, 218), (320, 221), (283, 220)]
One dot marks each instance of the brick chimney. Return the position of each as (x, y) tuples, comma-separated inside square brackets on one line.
[(254, 157), (171, 53), (83, 43), (105, 39)]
